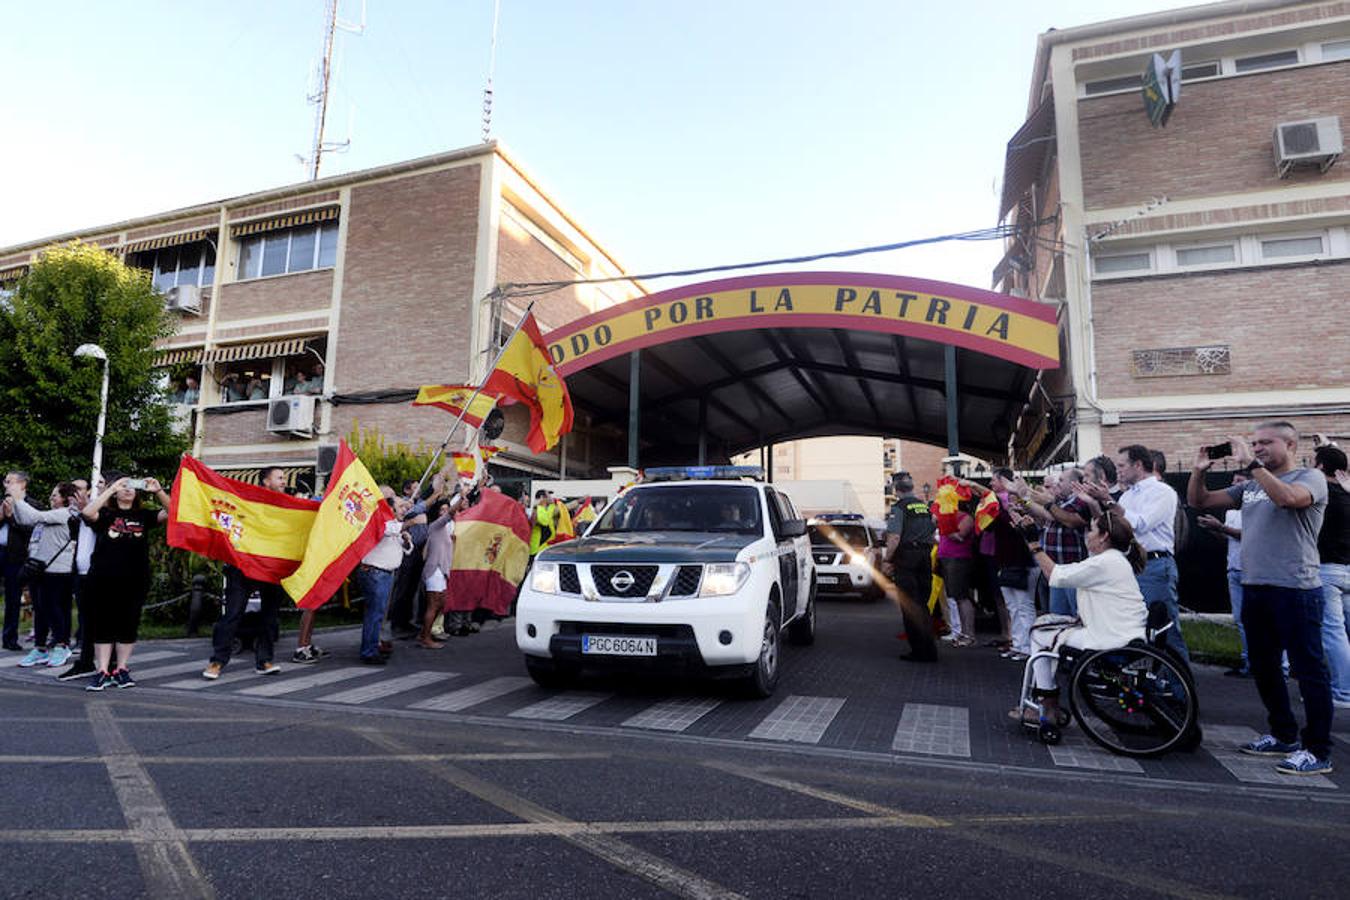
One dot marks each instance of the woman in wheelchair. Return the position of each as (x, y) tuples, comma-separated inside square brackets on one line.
[(1111, 611)]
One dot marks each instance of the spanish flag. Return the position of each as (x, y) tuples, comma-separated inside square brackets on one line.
[(466, 464), (525, 373), (349, 522), (563, 529), (585, 513), (986, 513), (259, 531), (453, 397), (492, 548), (487, 451)]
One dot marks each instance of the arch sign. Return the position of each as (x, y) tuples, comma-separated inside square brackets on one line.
[(999, 325)]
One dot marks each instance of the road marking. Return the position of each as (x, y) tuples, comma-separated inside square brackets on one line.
[(1222, 742), (229, 676), (278, 685), (799, 719), (472, 696), (480, 756), (1077, 752), (165, 671), (621, 854), (149, 656), (387, 687), (167, 867), (672, 715), (563, 706), (933, 730), (797, 787)]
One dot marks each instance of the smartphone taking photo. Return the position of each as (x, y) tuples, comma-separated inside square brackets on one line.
[(1219, 451)]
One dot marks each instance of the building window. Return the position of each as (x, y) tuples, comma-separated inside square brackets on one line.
[(1334, 50), (1197, 71), (1212, 255), (1122, 262), (1287, 247), (1265, 61), (264, 379), (1111, 85), (290, 250), (187, 264)]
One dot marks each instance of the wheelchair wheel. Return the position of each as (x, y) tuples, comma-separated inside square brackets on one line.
[(1135, 701)]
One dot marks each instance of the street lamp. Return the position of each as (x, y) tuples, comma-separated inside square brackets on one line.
[(94, 351)]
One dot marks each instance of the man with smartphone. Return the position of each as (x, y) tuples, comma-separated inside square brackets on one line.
[(1282, 511)]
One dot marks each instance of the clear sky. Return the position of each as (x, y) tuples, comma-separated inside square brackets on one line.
[(679, 134)]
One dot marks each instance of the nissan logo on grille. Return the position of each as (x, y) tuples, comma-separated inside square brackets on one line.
[(622, 580)]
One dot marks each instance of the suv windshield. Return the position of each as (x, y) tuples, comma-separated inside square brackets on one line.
[(823, 535), (718, 508)]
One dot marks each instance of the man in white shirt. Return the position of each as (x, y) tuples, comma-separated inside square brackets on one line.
[(1150, 506), (375, 578)]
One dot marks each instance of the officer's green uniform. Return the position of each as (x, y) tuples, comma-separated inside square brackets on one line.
[(912, 523)]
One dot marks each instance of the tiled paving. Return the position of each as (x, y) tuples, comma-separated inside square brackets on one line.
[(178, 668), (934, 730), (1077, 752), (472, 696), (1222, 742), (388, 687), (799, 719), (282, 684), (563, 706), (673, 715)]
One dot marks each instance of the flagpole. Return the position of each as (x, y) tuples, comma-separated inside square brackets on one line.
[(440, 451)]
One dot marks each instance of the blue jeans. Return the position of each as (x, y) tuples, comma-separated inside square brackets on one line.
[(1235, 601), (1289, 619), (1064, 601), (1335, 599), (375, 585), (1158, 584)]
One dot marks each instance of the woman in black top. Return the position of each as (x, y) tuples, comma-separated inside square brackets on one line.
[(119, 574)]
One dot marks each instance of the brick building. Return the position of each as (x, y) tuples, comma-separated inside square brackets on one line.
[(353, 290), (1202, 286)]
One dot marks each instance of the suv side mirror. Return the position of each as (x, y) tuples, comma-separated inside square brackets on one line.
[(792, 528)]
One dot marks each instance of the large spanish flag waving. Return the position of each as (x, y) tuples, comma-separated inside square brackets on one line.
[(492, 548), (455, 397), (525, 373), (260, 532), (349, 522)]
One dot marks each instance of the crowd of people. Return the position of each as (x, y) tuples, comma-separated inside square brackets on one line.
[(1111, 528)]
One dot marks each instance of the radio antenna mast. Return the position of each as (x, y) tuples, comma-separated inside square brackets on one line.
[(492, 65), (319, 98)]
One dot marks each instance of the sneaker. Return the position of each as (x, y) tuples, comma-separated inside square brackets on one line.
[(1302, 762), (267, 668), (213, 670), (35, 657), (58, 656), (1266, 745), (75, 671), (100, 681), (305, 656), (319, 650), (124, 679)]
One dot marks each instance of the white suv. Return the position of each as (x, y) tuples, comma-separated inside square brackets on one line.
[(847, 553), (694, 569)]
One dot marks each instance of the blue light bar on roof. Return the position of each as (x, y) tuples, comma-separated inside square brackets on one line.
[(841, 517), (688, 473)]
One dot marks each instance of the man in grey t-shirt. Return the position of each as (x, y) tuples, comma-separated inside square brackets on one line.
[(1282, 509)]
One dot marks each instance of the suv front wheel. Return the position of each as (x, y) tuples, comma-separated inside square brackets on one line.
[(802, 630), (763, 679)]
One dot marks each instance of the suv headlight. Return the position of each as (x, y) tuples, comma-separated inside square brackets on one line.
[(858, 559), (721, 579), (544, 577)]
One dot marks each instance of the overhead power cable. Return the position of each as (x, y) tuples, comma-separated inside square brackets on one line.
[(532, 288)]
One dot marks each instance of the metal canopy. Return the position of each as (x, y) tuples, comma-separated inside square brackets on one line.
[(756, 387)]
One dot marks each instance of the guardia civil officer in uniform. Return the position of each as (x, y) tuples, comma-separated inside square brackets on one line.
[(909, 546)]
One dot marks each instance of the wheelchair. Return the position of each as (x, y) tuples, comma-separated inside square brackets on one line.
[(1138, 700)]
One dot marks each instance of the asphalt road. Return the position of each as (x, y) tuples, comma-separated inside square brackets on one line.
[(167, 791)]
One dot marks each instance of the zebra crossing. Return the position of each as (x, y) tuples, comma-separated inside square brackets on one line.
[(918, 730)]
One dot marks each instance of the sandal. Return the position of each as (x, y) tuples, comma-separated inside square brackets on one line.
[(964, 641), (1025, 715), (429, 644)]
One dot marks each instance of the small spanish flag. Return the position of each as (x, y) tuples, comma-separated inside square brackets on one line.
[(466, 464), (986, 513), (453, 397), (525, 373), (563, 529), (585, 513), (487, 451), (492, 548), (260, 532), (350, 521)]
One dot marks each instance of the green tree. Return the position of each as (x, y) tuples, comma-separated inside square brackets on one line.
[(49, 400), (390, 463)]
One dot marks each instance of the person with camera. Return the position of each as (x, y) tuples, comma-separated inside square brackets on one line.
[(51, 557), (239, 590), (1282, 511), (119, 573), (1111, 610), (13, 554)]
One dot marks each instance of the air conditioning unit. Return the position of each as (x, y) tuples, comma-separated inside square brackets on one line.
[(291, 415), (1309, 142), (185, 298)]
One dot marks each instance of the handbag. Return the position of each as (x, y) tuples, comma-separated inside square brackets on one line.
[(1013, 577), (33, 567)]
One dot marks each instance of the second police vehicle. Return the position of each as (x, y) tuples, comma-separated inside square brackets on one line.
[(847, 550), (696, 569)]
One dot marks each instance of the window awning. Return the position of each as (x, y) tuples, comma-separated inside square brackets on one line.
[(179, 355), (289, 220), (169, 240), (1027, 151), (13, 273), (262, 350), (298, 478)]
